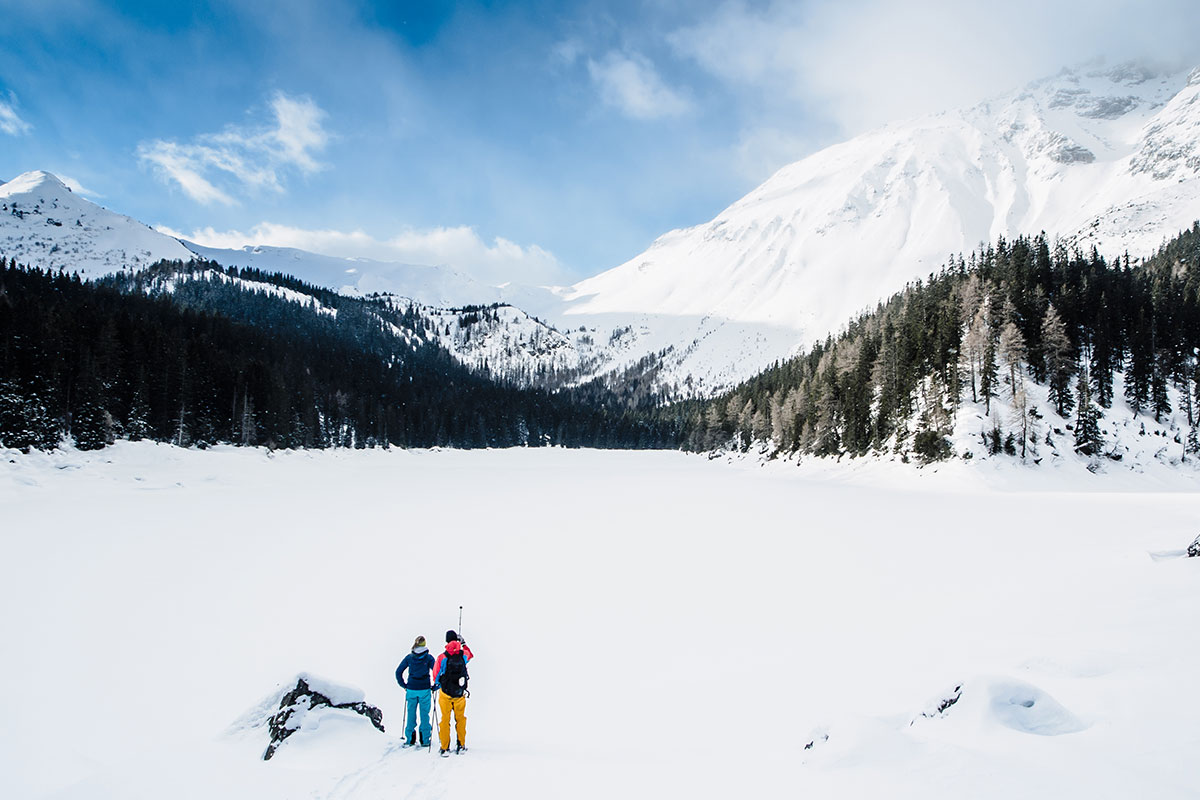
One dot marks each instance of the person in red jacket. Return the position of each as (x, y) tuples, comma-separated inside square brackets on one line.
[(450, 681)]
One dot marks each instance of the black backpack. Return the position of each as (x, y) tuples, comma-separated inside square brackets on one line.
[(454, 676)]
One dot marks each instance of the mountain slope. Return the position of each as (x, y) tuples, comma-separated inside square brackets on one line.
[(1099, 157), (430, 285), (44, 223), (1030, 355)]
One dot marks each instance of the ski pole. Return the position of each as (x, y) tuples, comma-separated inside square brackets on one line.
[(460, 631), (433, 715)]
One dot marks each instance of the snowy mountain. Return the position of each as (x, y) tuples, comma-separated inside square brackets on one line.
[(44, 223), (1108, 157), (1104, 157)]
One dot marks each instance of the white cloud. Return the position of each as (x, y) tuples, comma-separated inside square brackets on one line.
[(10, 121), (459, 247), (865, 62), (631, 84), (254, 158)]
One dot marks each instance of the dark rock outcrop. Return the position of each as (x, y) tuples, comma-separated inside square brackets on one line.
[(301, 700), (1194, 548)]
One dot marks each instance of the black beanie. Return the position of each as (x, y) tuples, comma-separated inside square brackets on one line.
[(451, 636)]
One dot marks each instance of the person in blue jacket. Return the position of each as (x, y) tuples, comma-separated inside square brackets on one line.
[(418, 692)]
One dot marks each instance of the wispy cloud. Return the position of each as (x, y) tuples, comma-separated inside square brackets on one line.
[(10, 121), (213, 166), (631, 84), (460, 247), (76, 187)]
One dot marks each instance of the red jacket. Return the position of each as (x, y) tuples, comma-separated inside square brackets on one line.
[(452, 649)]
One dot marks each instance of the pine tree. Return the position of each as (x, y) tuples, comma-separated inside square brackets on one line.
[(1139, 364), (25, 423), (1088, 439), (92, 425), (1056, 349), (988, 374), (1012, 350), (1160, 402), (1024, 421), (974, 342), (137, 423)]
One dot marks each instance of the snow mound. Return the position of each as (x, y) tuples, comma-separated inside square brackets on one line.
[(1026, 708), (1005, 702)]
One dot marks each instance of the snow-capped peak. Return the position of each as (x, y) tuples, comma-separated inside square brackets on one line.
[(43, 223), (37, 183)]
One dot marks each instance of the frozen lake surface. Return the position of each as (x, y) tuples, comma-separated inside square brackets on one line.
[(644, 624)]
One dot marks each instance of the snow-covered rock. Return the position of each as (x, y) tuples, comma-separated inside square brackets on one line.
[(303, 704), (1193, 550)]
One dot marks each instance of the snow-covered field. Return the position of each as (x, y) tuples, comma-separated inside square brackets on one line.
[(645, 624)]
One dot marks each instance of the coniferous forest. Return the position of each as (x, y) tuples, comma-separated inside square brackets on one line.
[(212, 361), (976, 332), (198, 355)]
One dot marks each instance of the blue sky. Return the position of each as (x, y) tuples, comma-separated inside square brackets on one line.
[(533, 141)]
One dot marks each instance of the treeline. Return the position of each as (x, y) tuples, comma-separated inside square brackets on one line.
[(175, 355), (975, 332)]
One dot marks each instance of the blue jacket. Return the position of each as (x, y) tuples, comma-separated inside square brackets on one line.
[(419, 665)]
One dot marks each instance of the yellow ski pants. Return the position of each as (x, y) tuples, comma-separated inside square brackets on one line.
[(458, 705)]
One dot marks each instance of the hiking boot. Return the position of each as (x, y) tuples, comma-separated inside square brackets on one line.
[(412, 740), (462, 748), (444, 753)]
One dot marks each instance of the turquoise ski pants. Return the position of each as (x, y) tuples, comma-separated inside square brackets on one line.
[(422, 699)]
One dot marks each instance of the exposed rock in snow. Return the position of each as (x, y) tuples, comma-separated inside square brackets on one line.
[(943, 704), (299, 708), (1193, 550)]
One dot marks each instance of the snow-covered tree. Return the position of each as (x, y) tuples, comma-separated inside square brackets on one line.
[(1056, 350), (1012, 351)]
